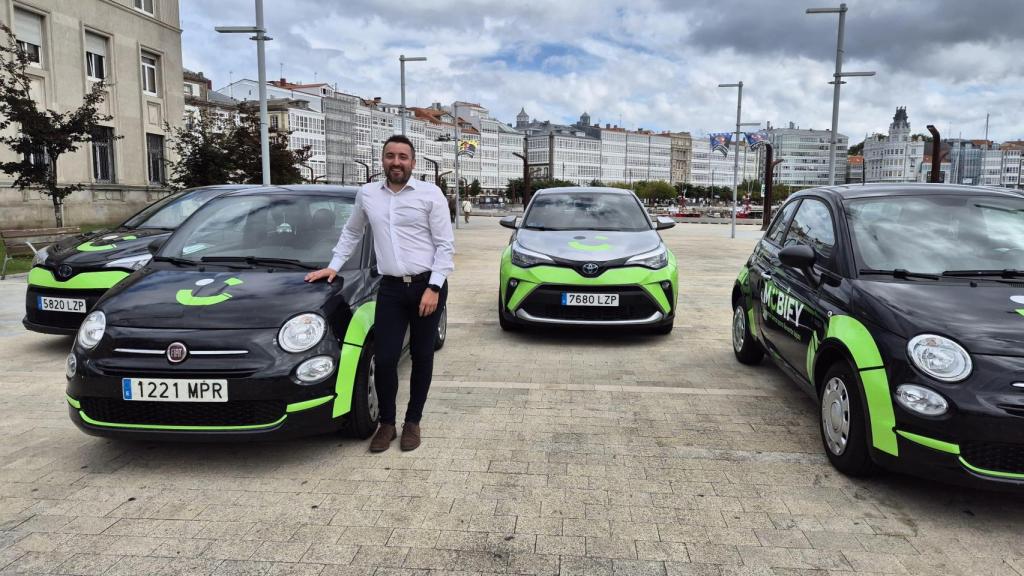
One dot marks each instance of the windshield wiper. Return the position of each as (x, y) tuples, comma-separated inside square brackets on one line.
[(176, 260), (257, 261), (154, 228), (540, 228), (899, 273), (1005, 273)]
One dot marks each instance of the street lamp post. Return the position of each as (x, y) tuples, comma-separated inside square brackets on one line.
[(260, 38), (458, 207), (364, 165), (434, 164), (837, 80), (402, 60), (736, 156)]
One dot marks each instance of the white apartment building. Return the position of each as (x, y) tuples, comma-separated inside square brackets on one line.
[(896, 157), (710, 168), (805, 155), (135, 47), (1003, 167)]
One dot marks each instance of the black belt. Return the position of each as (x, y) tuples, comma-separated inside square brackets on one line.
[(421, 277)]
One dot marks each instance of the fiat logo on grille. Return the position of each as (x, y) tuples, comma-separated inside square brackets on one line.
[(64, 272), (590, 268), (176, 353)]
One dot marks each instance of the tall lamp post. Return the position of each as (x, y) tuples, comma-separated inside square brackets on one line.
[(364, 165), (837, 80), (260, 38), (736, 156), (401, 61), (434, 164)]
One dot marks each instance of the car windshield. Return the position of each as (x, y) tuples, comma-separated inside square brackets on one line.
[(171, 211), (936, 234), (300, 228), (586, 211)]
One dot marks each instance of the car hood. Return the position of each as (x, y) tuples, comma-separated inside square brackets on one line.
[(215, 299), (94, 249), (986, 319), (588, 245)]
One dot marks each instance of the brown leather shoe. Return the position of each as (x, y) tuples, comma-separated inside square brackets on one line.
[(410, 437), (382, 439)]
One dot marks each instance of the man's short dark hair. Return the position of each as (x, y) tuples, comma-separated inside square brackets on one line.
[(401, 140)]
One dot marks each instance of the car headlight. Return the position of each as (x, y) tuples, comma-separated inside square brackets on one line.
[(525, 258), (131, 262), (301, 333), (939, 357), (40, 258), (91, 331), (315, 369), (921, 400), (655, 259)]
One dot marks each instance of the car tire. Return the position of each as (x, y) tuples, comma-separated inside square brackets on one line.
[(442, 330), (747, 350), (506, 324), (843, 424), (362, 420)]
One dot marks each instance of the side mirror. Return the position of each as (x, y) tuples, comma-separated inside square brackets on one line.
[(798, 256), (156, 245), (508, 222), (664, 223)]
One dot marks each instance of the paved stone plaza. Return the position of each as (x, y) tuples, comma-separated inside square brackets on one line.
[(573, 454)]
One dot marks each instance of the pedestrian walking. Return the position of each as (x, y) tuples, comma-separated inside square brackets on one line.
[(467, 208), (414, 244)]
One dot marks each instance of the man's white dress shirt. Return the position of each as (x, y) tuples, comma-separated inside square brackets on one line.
[(412, 232)]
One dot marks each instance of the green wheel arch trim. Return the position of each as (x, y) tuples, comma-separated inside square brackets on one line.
[(351, 349), (300, 406), (530, 278), (931, 442), (85, 281), (87, 419), (742, 277), (861, 346)]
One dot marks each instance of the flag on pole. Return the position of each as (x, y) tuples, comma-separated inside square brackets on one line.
[(468, 147), (756, 139), (720, 142)]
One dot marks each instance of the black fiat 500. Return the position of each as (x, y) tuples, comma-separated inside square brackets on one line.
[(68, 277), (900, 308), (219, 336)]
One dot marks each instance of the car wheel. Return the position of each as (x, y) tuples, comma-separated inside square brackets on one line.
[(362, 420), (843, 425), (747, 350), (506, 324), (442, 329)]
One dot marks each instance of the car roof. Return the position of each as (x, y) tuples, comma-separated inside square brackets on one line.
[(292, 189), (852, 191), (584, 189)]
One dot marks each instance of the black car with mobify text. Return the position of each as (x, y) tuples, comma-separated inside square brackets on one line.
[(900, 309), (220, 337)]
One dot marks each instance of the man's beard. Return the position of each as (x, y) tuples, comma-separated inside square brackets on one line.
[(403, 179)]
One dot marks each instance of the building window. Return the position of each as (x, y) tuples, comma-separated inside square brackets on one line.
[(28, 28), (95, 56), (155, 157), (37, 156), (188, 90), (144, 6), (103, 154), (150, 63)]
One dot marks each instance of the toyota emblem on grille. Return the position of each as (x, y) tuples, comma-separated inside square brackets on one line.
[(64, 272), (590, 268), (176, 353)]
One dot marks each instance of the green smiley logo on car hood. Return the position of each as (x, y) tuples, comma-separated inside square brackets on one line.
[(1018, 300), (577, 245), (90, 247), (187, 297)]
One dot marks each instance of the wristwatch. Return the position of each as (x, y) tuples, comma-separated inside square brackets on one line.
[(435, 288)]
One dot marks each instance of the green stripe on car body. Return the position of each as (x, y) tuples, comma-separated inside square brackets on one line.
[(73, 403), (997, 474), (931, 442), (351, 349), (858, 341), (84, 281), (300, 406), (174, 428)]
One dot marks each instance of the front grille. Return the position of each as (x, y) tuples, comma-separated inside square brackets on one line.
[(995, 457), (69, 320), (239, 413), (634, 304)]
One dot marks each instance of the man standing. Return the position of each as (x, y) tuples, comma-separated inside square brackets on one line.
[(414, 244), (467, 207)]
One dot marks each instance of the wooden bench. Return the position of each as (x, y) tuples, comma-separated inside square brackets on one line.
[(27, 242)]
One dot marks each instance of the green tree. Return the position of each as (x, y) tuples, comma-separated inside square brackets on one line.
[(855, 150), (538, 184), (443, 185), (43, 136), (285, 163), (202, 151), (474, 188), (660, 190), (596, 183), (515, 190)]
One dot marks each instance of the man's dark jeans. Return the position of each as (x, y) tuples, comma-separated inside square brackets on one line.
[(398, 309)]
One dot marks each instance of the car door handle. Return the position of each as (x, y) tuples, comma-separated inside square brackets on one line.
[(766, 275)]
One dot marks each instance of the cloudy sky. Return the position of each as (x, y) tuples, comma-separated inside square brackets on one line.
[(645, 63)]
